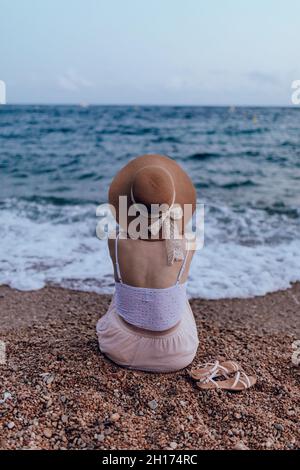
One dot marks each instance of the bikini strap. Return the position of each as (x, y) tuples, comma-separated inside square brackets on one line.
[(182, 267), (117, 260)]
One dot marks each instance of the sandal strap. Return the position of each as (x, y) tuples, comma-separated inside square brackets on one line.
[(215, 366), (211, 366), (234, 365), (246, 383), (210, 378)]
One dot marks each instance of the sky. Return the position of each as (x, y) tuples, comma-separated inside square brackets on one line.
[(182, 52)]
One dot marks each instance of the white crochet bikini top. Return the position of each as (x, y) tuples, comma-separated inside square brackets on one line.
[(155, 309)]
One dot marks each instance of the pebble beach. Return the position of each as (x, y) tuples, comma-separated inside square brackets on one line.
[(57, 391)]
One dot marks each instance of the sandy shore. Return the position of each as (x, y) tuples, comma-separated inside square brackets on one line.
[(62, 393)]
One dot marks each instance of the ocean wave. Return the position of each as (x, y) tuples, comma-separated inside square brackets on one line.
[(231, 270), (237, 184), (250, 131), (203, 155), (58, 161), (247, 252), (233, 184), (27, 202)]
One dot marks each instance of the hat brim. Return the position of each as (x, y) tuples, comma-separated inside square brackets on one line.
[(122, 182)]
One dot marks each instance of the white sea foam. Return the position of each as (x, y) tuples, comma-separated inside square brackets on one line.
[(244, 254), (231, 270)]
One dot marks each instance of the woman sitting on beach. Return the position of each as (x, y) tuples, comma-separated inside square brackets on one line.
[(150, 325)]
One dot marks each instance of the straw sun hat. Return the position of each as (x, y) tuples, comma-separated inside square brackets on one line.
[(153, 180)]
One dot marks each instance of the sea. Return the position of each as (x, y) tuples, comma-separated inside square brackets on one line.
[(56, 164)]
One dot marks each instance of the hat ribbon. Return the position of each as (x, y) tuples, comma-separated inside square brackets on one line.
[(167, 222)]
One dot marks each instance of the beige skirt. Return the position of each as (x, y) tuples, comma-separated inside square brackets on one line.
[(144, 350)]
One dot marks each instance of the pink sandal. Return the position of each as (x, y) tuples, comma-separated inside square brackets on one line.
[(216, 368), (239, 382)]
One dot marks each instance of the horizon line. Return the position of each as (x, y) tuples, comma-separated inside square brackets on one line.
[(134, 105)]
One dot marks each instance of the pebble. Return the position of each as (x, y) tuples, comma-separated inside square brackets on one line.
[(115, 417), (10, 425), (153, 404), (48, 433), (240, 446), (64, 418), (6, 396), (49, 380), (237, 415), (173, 445), (269, 443), (279, 427)]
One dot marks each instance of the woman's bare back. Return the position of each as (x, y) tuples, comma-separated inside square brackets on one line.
[(143, 263)]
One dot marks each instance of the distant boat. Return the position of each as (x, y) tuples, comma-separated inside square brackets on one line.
[(84, 104)]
